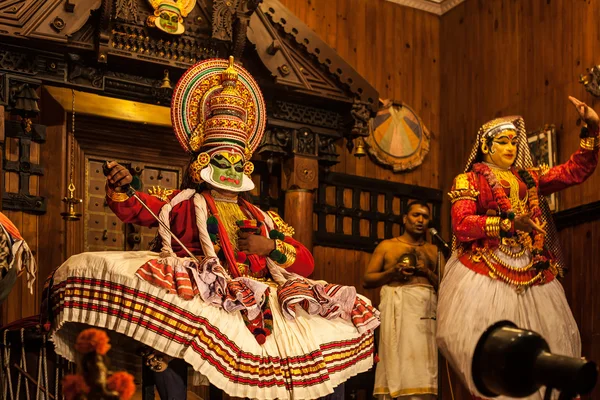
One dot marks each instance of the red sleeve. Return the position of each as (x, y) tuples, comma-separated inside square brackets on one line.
[(576, 170), (305, 263), (466, 224), (131, 211)]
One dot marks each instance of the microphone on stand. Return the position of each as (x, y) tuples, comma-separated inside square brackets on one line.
[(439, 242)]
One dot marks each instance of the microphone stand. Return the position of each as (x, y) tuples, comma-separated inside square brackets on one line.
[(439, 354)]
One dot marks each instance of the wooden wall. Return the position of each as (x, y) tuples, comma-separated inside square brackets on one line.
[(508, 57), (397, 50)]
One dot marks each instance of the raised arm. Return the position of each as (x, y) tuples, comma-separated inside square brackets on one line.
[(583, 162), (129, 209)]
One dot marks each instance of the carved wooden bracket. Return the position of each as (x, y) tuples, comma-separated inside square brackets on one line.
[(300, 172)]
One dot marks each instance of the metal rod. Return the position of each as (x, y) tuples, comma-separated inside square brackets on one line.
[(134, 194)]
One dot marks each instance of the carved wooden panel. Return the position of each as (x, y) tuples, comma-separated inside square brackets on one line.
[(45, 19), (104, 231)]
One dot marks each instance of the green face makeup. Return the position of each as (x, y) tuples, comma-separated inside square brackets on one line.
[(169, 21), (226, 172)]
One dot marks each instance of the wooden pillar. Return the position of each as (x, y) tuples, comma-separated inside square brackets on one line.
[(1, 153), (299, 214), (300, 178)]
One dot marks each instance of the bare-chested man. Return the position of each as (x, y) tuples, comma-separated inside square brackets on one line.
[(404, 267)]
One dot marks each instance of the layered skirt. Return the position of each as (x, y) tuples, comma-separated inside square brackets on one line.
[(469, 303), (305, 357)]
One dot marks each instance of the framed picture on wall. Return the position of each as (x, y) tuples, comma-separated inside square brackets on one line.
[(542, 144)]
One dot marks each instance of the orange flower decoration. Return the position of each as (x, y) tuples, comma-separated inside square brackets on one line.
[(74, 386), (91, 340), (122, 382)]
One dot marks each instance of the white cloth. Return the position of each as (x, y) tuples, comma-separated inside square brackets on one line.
[(469, 303), (407, 367), (304, 358)]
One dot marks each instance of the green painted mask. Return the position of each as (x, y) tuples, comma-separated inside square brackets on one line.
[(169, 21), (228, 169)]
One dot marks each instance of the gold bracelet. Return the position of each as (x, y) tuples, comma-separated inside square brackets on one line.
[(463, 194), (589, 143), (492, 227), (118, 197), (288, 250), (506, 225)]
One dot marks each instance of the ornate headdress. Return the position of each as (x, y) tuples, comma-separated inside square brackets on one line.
[(218, 108), (522, 161), (169, 14)]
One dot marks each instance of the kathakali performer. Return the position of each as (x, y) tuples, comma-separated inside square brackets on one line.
[(505, 262), (241, 312)]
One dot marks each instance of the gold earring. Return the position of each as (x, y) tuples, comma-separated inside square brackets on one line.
[(248, 168), (484, 148), (201, 162)]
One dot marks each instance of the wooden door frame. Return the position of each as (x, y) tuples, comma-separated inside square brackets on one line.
[(62, 239)]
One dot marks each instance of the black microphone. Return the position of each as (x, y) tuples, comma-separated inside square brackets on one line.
[(439, 242)]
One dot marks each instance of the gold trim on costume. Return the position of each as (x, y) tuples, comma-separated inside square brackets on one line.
[(590, 143), (506, 225), (280, 224), (494, 273), (518, 204), (119, 197), (230, 213), (462, 182), (405, 392), (288, 250), (492, 227), (160, 192), (463, 194)]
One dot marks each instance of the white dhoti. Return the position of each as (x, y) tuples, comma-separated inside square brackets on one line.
[(407, 351), (469, 303)]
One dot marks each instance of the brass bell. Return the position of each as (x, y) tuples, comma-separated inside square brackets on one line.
[(360, 148), (71, 200), (166, 82), (409, 259)]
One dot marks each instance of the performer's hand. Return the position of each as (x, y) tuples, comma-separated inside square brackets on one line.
[(526, 224), (117, 175), (405, 270), (421, 269), (260, 245), (586, 113)]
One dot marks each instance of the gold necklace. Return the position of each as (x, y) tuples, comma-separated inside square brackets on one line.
[(518, 205), (230, 213)]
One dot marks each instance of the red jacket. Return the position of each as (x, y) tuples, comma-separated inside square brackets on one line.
[(183, 225)]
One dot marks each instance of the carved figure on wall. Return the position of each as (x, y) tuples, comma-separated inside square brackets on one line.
[(398, 138), (168, 15)]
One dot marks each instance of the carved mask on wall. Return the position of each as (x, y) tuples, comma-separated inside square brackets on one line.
[(169, 14)]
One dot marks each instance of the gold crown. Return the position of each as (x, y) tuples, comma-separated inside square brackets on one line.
[(184, 6)]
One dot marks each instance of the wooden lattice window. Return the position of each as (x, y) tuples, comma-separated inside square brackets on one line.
[(357, 213)]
